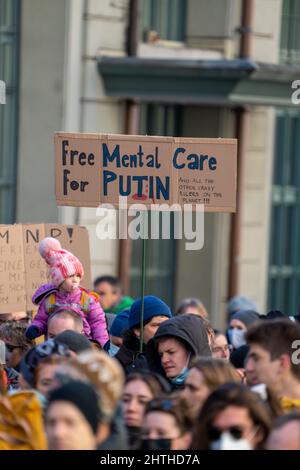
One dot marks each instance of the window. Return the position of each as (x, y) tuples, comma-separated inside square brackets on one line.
[(160, 254), (9, 30), (166, 17), (284, 269), (290, 32)]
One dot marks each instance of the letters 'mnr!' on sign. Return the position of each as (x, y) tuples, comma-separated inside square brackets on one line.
[(93, 169), (23, 270)]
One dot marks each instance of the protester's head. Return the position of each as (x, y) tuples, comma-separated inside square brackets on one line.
[(16, 344), (14, 316), (233, 417), (109, 290), (119, 325), (44, 374), (174, 355), (167, 425), (36, 355), (175, 343), (65, 269), (73, 417), (220, 348), (75, 341), (270, 359), (139, 389), (192, 305), (240, 303), (205, 375), (238, 326), (156, 311), (102, 371), (63, 320), (285, 434)]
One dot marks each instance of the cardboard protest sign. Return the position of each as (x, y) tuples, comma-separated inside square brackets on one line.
[(93, 169), (12, 269), (23, 270)]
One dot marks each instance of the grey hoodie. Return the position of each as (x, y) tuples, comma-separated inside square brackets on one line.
[(188, 328)]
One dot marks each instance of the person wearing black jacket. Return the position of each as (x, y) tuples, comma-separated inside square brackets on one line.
[(176, 342), (155, 313)]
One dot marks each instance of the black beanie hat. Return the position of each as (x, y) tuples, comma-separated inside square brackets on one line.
[(83, 396), (75, 341)]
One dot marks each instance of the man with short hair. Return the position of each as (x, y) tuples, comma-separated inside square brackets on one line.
[(273, 359), (110, 292), (64, 320)]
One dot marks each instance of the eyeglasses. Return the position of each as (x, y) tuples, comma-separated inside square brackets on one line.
[(214, 433)]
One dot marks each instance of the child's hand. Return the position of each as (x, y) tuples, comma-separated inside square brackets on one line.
[(32, 332)]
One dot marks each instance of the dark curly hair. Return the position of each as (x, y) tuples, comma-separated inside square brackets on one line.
[(14, 333)]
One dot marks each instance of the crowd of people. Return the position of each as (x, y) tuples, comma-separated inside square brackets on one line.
[(88, 371)]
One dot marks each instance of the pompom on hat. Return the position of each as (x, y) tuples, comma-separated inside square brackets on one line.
[(62, 263)]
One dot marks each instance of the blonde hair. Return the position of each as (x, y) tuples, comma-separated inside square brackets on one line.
[(215, 372)]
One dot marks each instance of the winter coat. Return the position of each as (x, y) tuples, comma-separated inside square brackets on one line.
[(129, 355), (188, 328), (94, 322), (118, 438)]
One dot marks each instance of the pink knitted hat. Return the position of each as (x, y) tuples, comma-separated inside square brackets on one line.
[(62, 263)]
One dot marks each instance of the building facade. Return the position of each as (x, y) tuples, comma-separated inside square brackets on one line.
[(96, 66)]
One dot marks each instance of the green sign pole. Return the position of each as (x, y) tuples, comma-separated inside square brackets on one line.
[(143, 281)]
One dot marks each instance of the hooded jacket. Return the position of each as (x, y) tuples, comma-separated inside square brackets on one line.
[(188, 328)]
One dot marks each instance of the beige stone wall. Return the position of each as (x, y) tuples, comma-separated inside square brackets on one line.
[(101, 26), (105, 31), (42, 57), (266, 30), (257, 177), (257, 185)]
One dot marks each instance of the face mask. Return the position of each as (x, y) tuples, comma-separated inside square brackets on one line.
[(113, 350), (228, 442), (180, 379), (237, 337), (156, 444)]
